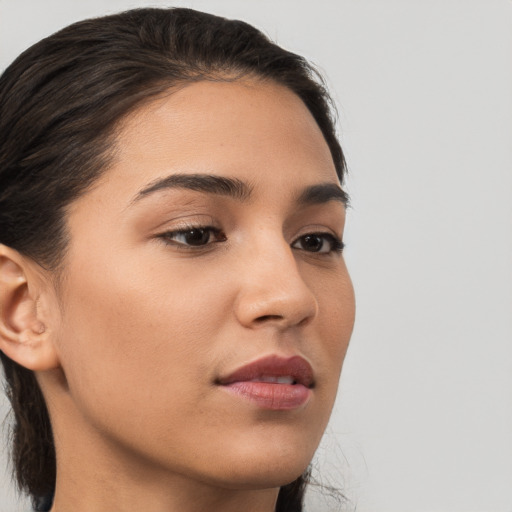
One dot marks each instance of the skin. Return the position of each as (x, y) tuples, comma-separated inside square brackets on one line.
[(129, 346)]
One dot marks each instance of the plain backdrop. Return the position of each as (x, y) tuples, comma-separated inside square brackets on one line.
[(423, 420)]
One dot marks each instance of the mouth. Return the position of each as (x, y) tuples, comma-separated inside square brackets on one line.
[(272, 382)]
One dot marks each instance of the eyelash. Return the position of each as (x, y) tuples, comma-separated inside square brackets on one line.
[(335, 244), (167, 237)]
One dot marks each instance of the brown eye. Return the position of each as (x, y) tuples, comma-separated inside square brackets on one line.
[(322, 243), (313, 243), (194, 236)]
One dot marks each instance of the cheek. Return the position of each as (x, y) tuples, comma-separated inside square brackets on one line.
[(341, 316), (335, 322), (147, 337)]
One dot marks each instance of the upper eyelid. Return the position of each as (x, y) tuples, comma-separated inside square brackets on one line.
[(320, 229), (216, 232), (167, 240), (321, 233), (211, 224), (185, 222), (187, 227), (184, 229)]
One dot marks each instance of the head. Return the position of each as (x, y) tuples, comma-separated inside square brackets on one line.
[(170, 209)]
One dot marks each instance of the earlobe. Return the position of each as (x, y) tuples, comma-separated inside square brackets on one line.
[(24, 336)]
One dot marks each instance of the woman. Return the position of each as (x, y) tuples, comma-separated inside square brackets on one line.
[(175, 308)]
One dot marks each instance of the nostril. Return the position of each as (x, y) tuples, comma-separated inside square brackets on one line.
[(304, 321), (265, 318)]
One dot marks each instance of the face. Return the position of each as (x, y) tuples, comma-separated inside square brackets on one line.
[(205, 304)]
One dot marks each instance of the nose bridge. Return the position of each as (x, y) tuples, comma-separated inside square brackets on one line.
[(272, 288)]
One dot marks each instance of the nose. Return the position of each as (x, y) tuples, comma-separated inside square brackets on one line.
[(272, 290)]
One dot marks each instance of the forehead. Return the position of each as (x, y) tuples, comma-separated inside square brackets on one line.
[(248, 129), (257, 132)]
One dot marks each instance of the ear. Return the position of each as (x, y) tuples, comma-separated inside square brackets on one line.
[(24, 336)]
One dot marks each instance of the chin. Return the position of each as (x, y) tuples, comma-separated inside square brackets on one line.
[(263, 471), (264, 478)]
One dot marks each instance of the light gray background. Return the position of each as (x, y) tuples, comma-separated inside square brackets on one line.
[(424, 417)]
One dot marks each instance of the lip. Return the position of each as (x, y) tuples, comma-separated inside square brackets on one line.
[(257, 382)]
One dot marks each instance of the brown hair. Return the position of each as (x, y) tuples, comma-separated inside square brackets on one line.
[(60, 101)]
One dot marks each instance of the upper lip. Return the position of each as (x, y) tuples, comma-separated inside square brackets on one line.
[(276, 366)]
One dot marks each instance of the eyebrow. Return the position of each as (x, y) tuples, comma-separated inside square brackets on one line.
[(238, 189), (209, 183), (323, 193)]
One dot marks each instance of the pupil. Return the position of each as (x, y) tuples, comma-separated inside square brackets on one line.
[(312, 243), (197, 236)]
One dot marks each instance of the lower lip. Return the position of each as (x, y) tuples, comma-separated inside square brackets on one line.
[(273, 396)]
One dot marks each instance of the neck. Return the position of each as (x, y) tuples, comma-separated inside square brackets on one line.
[(87, 482), (116, 494)]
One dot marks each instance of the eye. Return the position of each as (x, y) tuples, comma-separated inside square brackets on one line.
[(321, 243), (194, 236)]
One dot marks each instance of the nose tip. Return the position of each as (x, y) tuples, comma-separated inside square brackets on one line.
[(275, 293), (297, 316)]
